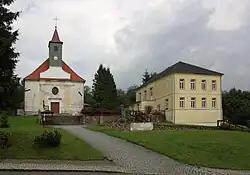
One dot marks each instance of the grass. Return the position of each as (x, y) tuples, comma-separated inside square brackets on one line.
[(24, 129), (210, 148)]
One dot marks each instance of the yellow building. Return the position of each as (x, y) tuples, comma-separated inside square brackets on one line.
[(187, 93)]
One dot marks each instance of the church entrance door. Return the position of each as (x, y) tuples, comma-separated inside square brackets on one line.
[(55, 107)]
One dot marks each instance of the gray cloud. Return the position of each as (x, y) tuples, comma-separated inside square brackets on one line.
[(188, 39), (133, 35)]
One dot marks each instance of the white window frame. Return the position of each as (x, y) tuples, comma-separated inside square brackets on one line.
[(182, 84), (182, 102), (213, 102), (193, 102), (192, 84), (203, 102), (204, 84), (214, 87)]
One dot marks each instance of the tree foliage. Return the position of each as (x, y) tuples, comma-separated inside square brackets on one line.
[(236, 105), (88, 96), (131, 95), (145, 77), (121, 94), (8, 56), (104, 89)]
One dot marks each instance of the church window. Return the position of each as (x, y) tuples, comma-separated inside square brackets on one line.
[(55, 48), (55, 90)]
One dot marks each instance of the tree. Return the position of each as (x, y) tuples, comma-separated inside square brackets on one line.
[(8, 56), (152, 74), (104, 89), (146, 76), (131, 95), (121, 94), (88, 96), (236, 105)]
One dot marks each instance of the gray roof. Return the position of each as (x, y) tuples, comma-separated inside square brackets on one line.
[(181, 67)]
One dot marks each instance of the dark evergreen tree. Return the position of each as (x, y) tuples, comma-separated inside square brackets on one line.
[(8, 56), (88, 96), (104, 89), (146, 76)]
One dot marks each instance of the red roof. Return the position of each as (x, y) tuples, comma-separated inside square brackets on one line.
[(55, 37), (45, 66)]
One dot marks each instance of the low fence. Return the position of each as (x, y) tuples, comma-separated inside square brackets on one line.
[(61, 120)]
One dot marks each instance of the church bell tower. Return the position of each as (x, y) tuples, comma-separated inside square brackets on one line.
[(55, 50)]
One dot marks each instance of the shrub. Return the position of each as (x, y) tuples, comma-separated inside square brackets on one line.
[(48, 139), (4, 138), (4, 120)]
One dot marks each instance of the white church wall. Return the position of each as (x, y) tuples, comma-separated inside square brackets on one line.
[(70, 101), (31, 100), (55, 72), (77, 101)]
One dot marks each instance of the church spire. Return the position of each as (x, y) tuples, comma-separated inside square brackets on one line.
[(55, 37)]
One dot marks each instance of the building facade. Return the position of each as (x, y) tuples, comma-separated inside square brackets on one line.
[(188, 94), (54, 85)]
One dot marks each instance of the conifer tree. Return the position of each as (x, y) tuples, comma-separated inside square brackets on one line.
[(8, 56)]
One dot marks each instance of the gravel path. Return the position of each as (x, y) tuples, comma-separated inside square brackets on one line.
[(135, 158)]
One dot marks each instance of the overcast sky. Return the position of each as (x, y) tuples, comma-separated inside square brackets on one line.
[(130, 36)]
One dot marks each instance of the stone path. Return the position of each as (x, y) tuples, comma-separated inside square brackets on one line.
[(135, 158)]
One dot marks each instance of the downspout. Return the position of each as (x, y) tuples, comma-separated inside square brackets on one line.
[(174, 101), (221, 98)]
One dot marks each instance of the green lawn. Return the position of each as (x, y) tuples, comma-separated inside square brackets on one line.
[(24, 129), (210, 148)]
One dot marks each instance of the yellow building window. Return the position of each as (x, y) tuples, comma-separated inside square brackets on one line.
[(182, 84), (203, 84), (213, 102), (182, 102), (166, 104), (193, 102), (192, 84), (203, 102), (151, 93), (214, 85), (145, 95), (139, 97)]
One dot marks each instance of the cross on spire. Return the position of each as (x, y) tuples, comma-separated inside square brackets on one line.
[(56, 20)]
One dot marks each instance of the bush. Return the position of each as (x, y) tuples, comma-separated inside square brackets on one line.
[(48, 139), (4, 120), (4, 138)]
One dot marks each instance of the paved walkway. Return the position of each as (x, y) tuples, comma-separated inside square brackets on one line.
[(135, 158)]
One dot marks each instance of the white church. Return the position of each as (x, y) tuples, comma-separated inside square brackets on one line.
[(54, 85)]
